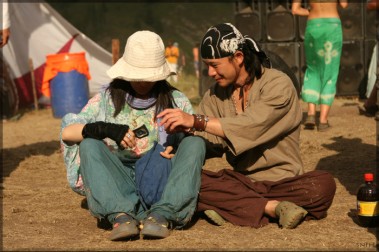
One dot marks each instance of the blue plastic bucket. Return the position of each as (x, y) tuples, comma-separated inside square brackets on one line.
[(69, 93)]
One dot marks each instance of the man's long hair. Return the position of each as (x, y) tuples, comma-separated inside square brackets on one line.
[(162, 90), (253, 62)]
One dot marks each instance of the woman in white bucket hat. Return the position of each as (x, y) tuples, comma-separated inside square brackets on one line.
[(112, 175)]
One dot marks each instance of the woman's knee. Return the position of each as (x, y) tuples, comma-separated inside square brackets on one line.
[(89, 146)]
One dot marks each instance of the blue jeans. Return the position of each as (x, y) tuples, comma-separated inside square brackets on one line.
[(111, 189)]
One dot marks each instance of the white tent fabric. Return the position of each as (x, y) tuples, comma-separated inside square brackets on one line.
[(37, 30)]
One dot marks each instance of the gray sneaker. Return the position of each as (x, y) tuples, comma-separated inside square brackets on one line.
[(155, 226), (124, 227)]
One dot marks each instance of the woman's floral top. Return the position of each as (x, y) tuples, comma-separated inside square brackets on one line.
[(101, 108)]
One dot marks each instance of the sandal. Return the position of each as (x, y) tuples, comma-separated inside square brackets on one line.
[(124, 227), (323, 127), (290, 215), (215, 217), (310, 122), (155, 226), (371, 110), (367, 110)]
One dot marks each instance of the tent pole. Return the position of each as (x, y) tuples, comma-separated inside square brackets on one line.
[(33, 83), (115, 50)]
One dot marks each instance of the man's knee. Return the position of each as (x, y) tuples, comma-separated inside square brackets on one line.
[(326, 185)]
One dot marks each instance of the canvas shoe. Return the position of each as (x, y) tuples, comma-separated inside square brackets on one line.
[(290, 215), (215, 217)]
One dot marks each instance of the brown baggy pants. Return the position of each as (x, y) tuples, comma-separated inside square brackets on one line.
[(242, 202)]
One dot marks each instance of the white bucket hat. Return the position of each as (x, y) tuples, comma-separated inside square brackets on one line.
[(143, 59)]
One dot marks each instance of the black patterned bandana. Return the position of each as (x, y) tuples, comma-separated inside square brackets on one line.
[(224, 40)]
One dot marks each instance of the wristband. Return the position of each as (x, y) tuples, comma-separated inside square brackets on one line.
[(200, 122)]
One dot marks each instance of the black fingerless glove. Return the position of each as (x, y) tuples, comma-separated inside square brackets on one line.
[(101, 130)]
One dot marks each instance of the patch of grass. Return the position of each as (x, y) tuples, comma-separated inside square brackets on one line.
[(189, 85)]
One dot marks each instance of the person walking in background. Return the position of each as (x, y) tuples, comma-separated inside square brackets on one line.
[(196, 63), (323, 46), (6, 23), (121, 160), (172, 56), (370, 106), (252, 114), (181, 60)]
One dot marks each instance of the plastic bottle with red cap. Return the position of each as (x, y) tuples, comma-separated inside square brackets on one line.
[(368, 202)]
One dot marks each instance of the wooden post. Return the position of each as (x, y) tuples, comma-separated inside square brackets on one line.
[(33, 83), (115, 50)]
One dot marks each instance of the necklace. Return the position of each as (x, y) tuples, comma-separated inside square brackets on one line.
[(244, 99)]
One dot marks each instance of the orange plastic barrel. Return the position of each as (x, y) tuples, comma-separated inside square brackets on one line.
[(65, 81)]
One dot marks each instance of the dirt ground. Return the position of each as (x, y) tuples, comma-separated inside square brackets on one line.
[(40, 212)]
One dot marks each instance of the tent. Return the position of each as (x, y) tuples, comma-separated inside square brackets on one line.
[(37, 30)]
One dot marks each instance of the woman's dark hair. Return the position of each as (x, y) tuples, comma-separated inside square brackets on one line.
[(162, 90)]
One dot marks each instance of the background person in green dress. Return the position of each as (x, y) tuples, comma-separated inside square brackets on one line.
[(323, 46)]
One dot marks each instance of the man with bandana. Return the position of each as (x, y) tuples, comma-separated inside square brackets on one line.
[(252, 115)]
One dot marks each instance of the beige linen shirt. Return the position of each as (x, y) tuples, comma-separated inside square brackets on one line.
[(263, 141)]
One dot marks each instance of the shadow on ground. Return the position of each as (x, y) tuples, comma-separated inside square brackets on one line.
[(12, 157), (345, 163)]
